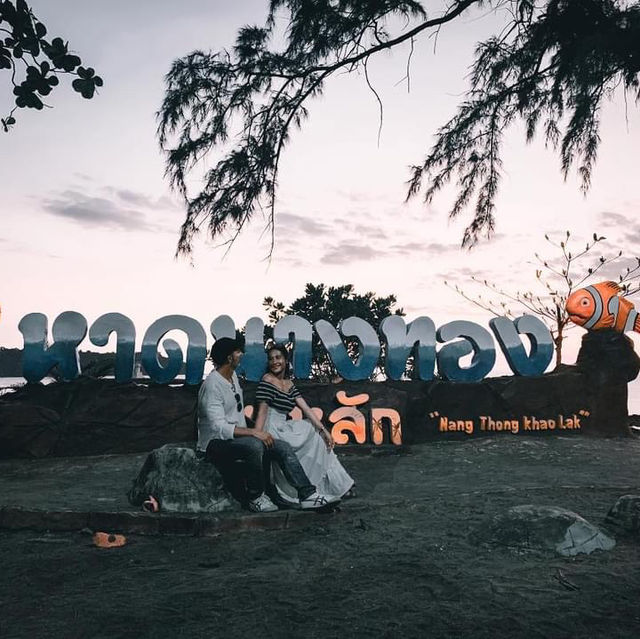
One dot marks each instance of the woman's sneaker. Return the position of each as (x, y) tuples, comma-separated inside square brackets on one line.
[(351, 493), (316, 500), (261, 504)]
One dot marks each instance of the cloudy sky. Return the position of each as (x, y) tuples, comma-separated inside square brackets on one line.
[(89, 223)]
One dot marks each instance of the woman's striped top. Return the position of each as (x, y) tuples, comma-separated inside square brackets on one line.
[(282, 401)]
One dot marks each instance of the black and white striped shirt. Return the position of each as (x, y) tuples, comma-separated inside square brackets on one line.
[(282, 401)]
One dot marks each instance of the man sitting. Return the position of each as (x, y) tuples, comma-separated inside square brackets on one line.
[(223, 436)]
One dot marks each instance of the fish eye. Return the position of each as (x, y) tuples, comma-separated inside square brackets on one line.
[(584, 301)]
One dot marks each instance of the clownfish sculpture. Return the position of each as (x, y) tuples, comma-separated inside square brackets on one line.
[(601, 306)]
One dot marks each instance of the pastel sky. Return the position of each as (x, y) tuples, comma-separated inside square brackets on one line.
[(89, 223)]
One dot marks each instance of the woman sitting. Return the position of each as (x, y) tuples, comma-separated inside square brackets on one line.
[(276, 396)]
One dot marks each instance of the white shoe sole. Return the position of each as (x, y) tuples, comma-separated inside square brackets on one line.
[(317, 506)]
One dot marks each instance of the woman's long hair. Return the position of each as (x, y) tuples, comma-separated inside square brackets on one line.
[(281, 348)]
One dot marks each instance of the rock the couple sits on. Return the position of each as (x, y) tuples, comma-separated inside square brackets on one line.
[(292, 451)]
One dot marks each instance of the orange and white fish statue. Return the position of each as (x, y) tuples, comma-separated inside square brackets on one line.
[(601, 306)]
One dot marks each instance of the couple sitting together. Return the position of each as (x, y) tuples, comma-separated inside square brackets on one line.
[(305, 472)]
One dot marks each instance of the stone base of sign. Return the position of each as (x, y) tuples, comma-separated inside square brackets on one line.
[(556, 403), (96, 416), (93, 417)]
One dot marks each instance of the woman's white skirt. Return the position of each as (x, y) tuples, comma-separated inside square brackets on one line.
[(322, 466)]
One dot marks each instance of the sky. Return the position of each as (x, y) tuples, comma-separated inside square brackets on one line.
[(90, 224)]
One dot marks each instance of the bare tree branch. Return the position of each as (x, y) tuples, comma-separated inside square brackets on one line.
[(558, 282)]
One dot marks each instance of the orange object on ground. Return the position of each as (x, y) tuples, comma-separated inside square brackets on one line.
[(108, 540)]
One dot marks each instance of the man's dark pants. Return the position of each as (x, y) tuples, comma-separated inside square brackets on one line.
[(254, 472)]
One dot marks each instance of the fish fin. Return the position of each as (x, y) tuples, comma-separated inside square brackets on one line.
[(636, 324), (613, 286), (608, 321)]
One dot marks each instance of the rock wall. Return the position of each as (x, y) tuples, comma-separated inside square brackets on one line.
[(92, 416)]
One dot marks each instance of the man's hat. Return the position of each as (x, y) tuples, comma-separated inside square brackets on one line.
[(222, 348)]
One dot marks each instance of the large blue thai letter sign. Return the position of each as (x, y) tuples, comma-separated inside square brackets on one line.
[(355, 357)]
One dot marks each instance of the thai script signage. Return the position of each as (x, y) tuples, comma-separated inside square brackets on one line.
[(348, 424), (395, 340)]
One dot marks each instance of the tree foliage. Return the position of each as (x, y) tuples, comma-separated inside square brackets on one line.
[(35, 62), (552, 65), (333, 303), (552, 68), (256, 94), (557, 277)]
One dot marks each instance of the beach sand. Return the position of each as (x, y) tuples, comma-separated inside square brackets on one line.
[(395, 562)]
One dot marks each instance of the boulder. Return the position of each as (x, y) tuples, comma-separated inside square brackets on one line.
[(608, 361), (546, 528), (180, 482), (607, 355), (624, 515)]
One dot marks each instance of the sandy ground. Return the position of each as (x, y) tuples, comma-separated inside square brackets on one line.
[(395, 562)]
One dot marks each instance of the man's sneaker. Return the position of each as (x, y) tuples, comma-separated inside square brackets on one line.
[(316, 500), (261, 504)]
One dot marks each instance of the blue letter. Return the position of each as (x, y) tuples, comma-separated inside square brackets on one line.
[(419, 341), (476, 340), (508, 335), (125, 344), (254, 363), (223, 326), (299, 332), (196, 350), (368, 347), (69, 330)]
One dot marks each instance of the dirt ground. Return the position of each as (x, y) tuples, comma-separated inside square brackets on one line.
[(395, 562)]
